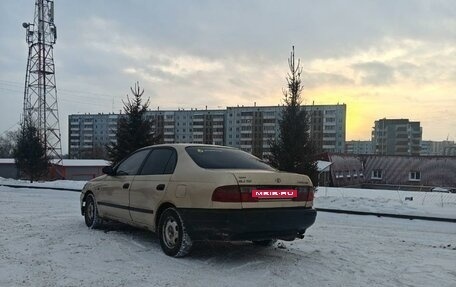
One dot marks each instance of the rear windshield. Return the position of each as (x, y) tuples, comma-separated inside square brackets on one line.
[(224, 158)]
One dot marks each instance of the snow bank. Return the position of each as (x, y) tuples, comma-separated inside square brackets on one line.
[(436, 204), (72, 184)]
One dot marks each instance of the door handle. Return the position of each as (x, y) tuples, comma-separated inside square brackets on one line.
[(161, 187), (126, 185)]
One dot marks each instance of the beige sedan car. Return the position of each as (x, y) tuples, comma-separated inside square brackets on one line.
[(189, 192)]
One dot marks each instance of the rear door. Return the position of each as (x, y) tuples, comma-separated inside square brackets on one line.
[(113, 197), (151, 184)]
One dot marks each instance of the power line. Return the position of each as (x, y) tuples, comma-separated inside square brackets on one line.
[(59, 90), (62, 99), (11, 127)]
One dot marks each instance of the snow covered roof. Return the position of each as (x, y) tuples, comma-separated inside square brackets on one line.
[(68, 162), (323, 165), (83, 162)]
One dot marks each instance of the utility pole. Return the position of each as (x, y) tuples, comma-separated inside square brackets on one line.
[(40, 93)]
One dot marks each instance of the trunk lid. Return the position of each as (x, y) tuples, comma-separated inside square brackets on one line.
[(272, 188)]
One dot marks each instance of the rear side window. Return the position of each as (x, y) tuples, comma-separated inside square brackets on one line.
[(224, 158), (160, 161)]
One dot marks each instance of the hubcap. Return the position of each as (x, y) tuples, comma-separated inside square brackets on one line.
[(90, 211), (170, 233)]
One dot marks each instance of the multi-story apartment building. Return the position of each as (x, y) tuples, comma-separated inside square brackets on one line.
[(432, 148), (88, 134), (252, 128), (358, 147), (396, 137), (248, 128), (327, 127)]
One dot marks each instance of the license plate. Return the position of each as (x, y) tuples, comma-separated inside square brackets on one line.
[(274, 193)]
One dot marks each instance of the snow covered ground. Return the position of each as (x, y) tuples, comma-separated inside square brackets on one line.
[(44, 242)]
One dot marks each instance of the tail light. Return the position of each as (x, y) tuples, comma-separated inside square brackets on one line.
[(227, 193), (233, 193), (305, 193)]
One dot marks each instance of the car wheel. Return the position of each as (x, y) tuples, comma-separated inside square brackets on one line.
[(92, 219), (174, 239), (265, 243)]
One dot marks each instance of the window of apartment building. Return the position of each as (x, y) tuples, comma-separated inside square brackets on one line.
[(377, 174), (414, 176), (269, 121)]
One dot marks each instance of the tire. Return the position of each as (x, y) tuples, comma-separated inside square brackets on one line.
[(91, 217), (264, 243), (174, 239)]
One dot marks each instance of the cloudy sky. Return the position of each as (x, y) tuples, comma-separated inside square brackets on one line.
[(384, 59)]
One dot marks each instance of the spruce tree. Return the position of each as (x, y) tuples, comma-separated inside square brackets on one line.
[(134, 130), (30, 153), (292, 150)]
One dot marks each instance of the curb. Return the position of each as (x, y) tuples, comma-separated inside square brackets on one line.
[(403, 216), (40, 187)]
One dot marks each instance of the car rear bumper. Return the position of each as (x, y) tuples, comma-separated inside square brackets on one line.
[(248, 224)]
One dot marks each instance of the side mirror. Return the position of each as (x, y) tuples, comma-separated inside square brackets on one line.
[(108, 170)]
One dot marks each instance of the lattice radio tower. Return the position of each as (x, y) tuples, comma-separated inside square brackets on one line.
[(40, 93)]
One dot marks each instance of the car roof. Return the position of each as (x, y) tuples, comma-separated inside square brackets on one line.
[(184, 145), (180, 147)]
